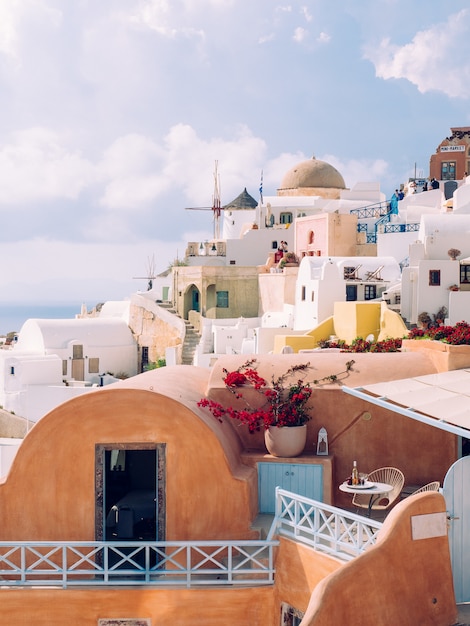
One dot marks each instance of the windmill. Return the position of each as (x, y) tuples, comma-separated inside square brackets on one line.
[(216, 207), (150, 273)]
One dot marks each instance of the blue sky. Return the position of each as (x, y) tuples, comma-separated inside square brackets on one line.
[(114, 112)]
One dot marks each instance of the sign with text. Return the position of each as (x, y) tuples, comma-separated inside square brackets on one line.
[(453, 148)]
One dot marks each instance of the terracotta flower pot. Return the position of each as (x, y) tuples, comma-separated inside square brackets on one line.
[(287, 441)]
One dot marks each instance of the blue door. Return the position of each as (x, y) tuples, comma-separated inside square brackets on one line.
[(195, 300), (303, 479)]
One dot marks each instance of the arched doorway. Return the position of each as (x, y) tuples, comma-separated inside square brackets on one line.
[(192, 300)]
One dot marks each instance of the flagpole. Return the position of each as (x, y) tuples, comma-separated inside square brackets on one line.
[(260, 214)]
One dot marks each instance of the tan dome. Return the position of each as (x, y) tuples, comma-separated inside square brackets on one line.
[(313, 173)]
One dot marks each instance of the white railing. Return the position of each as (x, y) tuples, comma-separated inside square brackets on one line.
[(323, 527), (172, 563), (183, 563)]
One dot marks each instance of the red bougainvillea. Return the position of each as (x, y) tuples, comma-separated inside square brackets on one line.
[(285, 403)]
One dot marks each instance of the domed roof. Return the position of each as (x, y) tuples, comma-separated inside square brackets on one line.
[(313, 173)]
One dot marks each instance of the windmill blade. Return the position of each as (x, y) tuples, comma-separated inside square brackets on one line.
[(216, 207)]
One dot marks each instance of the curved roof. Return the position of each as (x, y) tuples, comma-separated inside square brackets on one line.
[(313, 173), (47, 334), (241, 202)]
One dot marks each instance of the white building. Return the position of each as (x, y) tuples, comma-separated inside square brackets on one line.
[(323, 281), (428, 283), (54, 360)]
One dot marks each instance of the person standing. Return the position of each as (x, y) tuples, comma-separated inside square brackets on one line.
[(394, 203)]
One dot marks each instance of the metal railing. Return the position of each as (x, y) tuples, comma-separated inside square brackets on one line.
[(372, 210), (401, 228), (177, 563), (322, 526)]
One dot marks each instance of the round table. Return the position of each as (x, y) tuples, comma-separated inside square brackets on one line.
[(375, 490)]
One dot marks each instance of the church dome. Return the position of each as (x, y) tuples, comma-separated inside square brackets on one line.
[(313, 174)]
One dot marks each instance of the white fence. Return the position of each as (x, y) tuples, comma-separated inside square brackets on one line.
[(180, 563), (187, 563), (323, 527)]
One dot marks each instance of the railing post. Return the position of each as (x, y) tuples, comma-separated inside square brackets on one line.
[(64, 567)]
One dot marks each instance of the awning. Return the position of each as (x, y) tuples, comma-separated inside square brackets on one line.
[(440, 400)]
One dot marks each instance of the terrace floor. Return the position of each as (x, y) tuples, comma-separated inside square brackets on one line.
[(464, 614)]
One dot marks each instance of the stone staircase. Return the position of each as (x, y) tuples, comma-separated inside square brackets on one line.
[(191, 336), (191, 340)]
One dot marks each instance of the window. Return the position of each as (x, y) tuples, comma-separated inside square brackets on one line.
[(285, 218), (311, 237), (302, 297), (77, 352), (290, 616), (448, 170), (349, 272), (370, 292), (222, 299), (145, 355), (93, 366), (274, 245), (434, 278), (465, 273), (351, 293), (12, 370), (313, 296), (64, 367)]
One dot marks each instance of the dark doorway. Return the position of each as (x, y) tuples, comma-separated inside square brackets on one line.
[(130, 492)]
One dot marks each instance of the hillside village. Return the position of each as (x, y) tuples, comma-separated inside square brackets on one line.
[(283, 281), (279, 269)]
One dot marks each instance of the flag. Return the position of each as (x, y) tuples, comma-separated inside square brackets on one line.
[(261, 188)]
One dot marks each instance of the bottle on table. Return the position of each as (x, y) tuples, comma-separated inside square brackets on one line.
[(354, 474)]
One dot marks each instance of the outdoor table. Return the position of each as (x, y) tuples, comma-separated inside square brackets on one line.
[(374, 490)]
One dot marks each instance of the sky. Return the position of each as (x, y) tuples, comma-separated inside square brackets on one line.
[(113, 114)]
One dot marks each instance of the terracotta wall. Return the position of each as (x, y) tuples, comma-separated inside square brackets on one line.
[(49, 493), (444, 356), (401, 580), (357, 430), (178, 607)]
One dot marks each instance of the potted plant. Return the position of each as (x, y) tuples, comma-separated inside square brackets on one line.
[(288, 259), (424, 319), (284, 407), (453, 253)]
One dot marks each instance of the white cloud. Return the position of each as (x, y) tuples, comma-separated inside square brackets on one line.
[(12, 15), (37, 165), (306, 13), (323, 38), (358, 170), (436, 59), (300, 34), (266, 38), (286, 8)]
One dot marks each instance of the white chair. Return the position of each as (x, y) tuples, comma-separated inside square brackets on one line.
[(388, 475), (434, 486)]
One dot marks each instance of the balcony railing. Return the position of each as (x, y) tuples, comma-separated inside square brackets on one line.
[(179, 563), (376, 210), (187, 564), (326, 528)]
